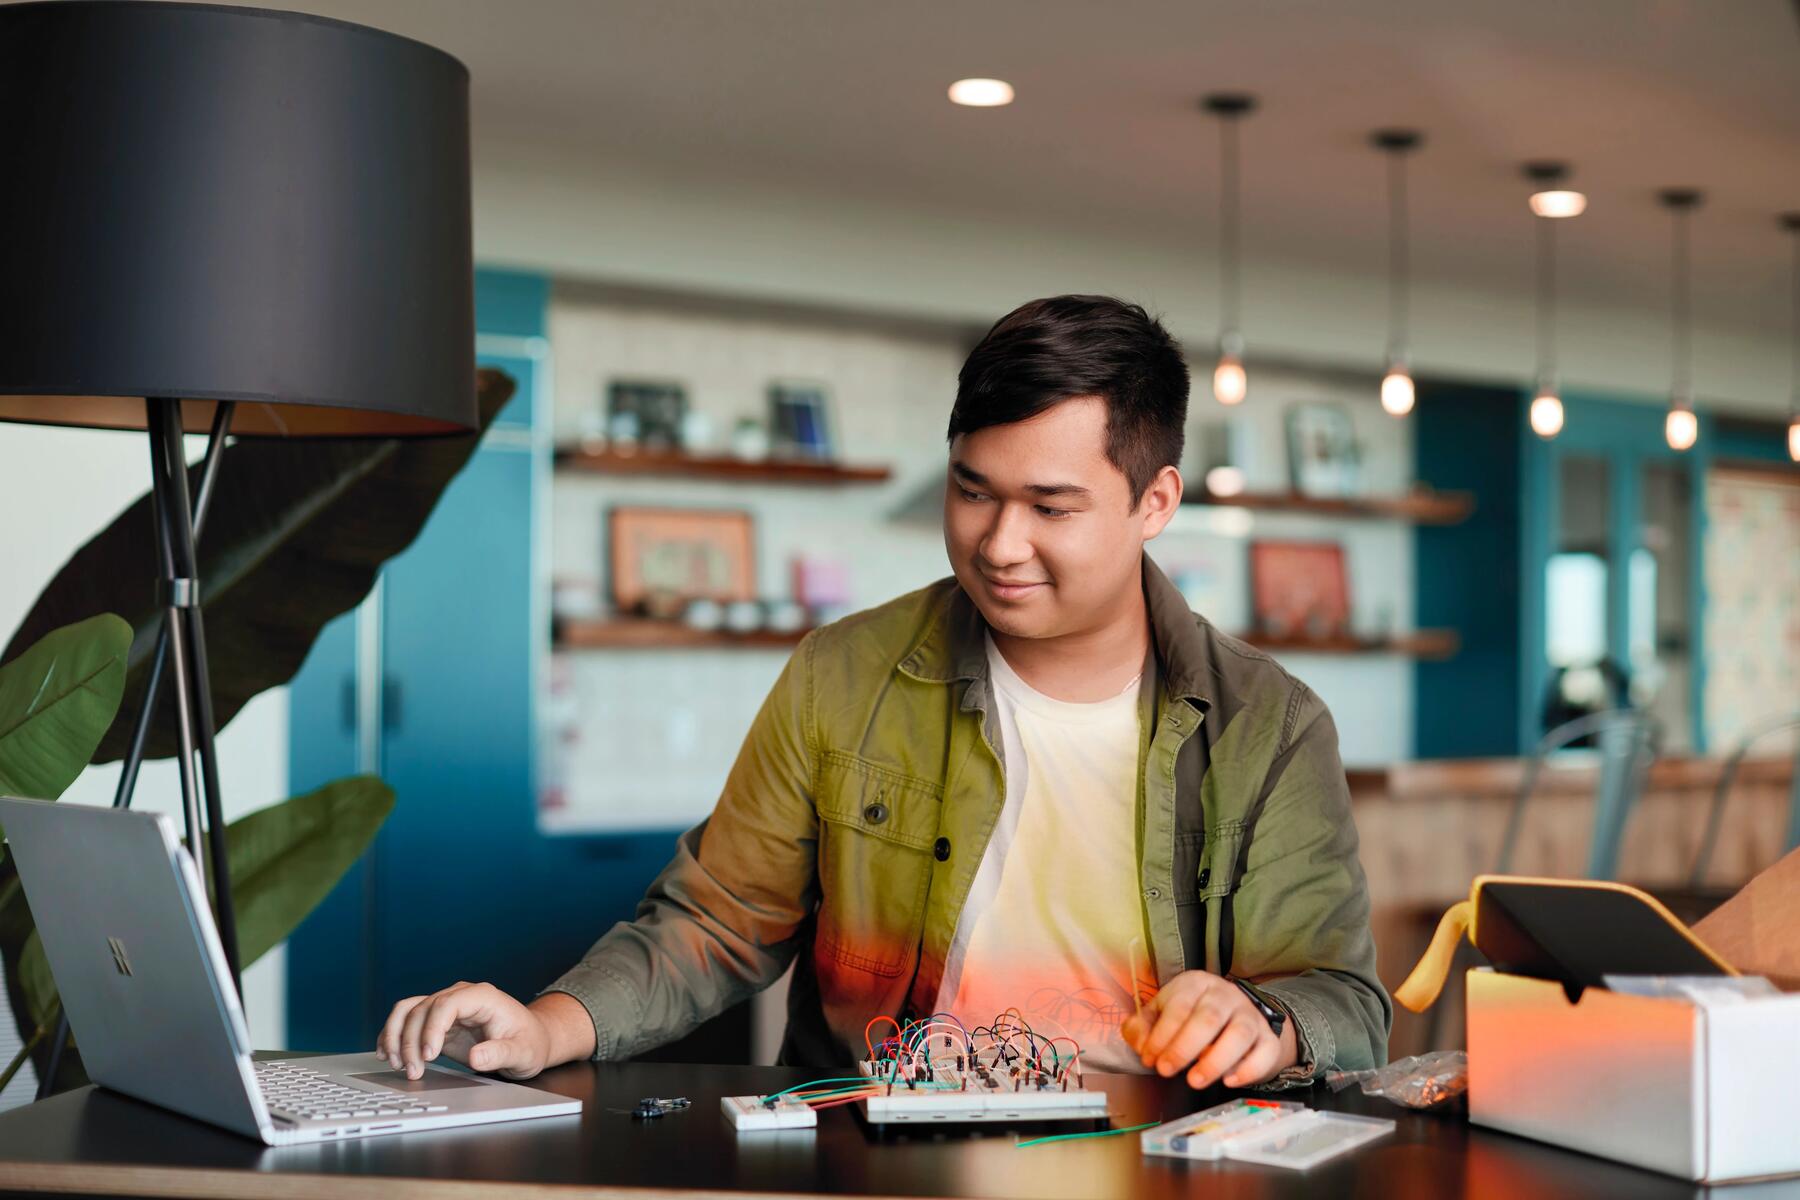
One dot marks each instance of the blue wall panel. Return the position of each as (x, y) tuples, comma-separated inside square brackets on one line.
[(329, 973), (1467, 438)]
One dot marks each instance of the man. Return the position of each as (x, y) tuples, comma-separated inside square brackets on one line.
[(1042, 784)]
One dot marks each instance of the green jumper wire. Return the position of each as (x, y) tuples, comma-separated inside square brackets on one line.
[(1069, 1137)]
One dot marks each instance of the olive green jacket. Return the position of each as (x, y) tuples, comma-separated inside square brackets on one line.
[(852, 823)]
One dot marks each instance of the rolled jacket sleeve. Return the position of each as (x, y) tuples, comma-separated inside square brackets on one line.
[(721, 921), (1301, 908)]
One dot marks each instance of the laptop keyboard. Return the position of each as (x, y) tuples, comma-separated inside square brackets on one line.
[(294, 1091)]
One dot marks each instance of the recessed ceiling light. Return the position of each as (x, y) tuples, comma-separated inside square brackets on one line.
[(981, 93), (1558, 204)]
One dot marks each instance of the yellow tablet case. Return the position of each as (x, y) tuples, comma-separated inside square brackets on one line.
[(1571, 930)]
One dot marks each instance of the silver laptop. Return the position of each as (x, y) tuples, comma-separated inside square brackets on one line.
[(121, 912)]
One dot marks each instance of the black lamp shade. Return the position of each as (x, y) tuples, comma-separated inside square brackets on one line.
[(212, 203)]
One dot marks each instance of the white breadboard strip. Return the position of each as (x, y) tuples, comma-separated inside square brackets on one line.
[(998, 1097), (749, 1112), (1274, 1133)]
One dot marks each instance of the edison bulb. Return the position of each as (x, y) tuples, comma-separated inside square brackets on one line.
[(1558, 204), (1794, 439), (1681, 428), (1546, 415), (1230, 383), (1397, 392)]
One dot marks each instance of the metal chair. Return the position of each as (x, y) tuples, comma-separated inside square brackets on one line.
[(1728, 776), (1627, 741)]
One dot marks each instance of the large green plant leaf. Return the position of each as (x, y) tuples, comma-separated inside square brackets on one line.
[(56, 701), (296, 534), (284, 860)]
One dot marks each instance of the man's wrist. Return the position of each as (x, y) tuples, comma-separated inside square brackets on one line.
[(568, 1027)]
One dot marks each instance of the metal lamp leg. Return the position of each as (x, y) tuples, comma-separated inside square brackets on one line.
[(152, 696)]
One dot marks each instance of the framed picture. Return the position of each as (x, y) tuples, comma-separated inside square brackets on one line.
[(800, 420), (1323, 457), (649, 411), (1299, 588), (663, 555)]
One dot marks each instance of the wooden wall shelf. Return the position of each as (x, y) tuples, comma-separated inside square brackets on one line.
[(1422, 507), (1423, 643), (644, 633), (719, 466)]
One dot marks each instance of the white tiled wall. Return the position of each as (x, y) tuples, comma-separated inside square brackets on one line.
[(657, 730)]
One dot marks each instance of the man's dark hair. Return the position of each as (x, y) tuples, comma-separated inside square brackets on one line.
[(1061, 347)]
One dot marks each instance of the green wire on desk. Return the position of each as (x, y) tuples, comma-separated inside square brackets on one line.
[(862, 1079), (1069, 1137)]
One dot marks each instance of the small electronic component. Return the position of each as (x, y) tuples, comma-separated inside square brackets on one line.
[(1276, 1133), (768, 1112), (651, 1107)]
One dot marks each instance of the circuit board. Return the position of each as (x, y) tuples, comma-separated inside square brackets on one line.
[(748, 1113), (938, 1072), (977, 1094)]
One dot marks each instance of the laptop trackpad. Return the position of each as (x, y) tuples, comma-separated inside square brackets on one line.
[(431, 1081)]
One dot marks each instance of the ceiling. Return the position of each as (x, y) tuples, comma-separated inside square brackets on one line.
[(845, 98)]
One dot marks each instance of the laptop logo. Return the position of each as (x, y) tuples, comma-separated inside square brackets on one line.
[(118, 952)]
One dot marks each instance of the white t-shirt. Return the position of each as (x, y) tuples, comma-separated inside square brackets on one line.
[(1053, 924)]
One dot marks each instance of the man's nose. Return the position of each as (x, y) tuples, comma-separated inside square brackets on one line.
[(1007, 543)]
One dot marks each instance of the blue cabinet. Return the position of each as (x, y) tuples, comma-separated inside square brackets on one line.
[(430, 685)]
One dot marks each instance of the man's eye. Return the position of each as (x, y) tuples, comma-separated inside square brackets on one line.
[(968, 495), (1053, 513)]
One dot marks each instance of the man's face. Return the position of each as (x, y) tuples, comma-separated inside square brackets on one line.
[(1041, 528)]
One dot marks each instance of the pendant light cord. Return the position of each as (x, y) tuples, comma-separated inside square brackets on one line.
[(1228, 223), (1794, 330), (1546, 302), (1399, 266), (1681, 312)]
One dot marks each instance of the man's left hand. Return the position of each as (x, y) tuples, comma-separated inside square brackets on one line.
[(1208, 1026)]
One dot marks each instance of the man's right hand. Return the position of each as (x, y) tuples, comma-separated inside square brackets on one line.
[(481, 1026)]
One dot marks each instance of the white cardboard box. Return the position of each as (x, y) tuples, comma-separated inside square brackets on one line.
[(1661, 1083)]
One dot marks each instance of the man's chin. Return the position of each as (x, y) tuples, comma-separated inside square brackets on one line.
[(1007, 619)]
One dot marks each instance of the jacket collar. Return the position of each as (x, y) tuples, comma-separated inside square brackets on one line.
[(952, 646)]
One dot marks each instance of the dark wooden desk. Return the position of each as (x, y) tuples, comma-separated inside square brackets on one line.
[(97, 1142)]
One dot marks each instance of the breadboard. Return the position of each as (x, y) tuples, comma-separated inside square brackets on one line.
[(749, 1112), (989, 1097)]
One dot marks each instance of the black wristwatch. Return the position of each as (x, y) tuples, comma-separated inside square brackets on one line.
[(1274, 1016)]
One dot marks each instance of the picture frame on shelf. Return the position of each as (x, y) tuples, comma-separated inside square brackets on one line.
[(1324, 458), (1299, 589), (800, 420), (647, 412), (660, 559)]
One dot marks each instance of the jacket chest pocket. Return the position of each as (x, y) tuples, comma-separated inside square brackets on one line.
[(876, 832)]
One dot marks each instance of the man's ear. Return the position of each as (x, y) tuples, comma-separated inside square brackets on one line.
[(1160, 500)]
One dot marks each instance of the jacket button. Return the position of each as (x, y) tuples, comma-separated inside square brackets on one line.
[(942, 849), (1205, 874), (1153, 893), (875, 814)]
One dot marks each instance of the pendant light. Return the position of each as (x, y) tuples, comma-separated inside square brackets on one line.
[(1230, 381), (1681, 427), (1791, 223), (1549, 204), (1397, 384)]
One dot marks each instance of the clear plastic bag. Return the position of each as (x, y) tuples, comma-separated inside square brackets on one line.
[(1434, 1080)]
